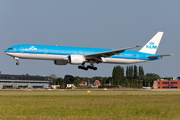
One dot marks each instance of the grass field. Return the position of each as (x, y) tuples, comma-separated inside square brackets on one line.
[(115, 105)]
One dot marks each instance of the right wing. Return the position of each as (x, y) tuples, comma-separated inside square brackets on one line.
[(108, 53)]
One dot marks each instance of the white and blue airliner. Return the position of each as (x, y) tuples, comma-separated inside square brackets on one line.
[(62, 55)]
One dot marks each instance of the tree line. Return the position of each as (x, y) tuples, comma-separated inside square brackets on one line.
[(134, 77), (131, 77), (76, 80)]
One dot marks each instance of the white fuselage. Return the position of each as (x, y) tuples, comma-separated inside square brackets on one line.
[(65, 57)]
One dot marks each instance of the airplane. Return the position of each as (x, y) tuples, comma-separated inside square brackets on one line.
[(62, 55)]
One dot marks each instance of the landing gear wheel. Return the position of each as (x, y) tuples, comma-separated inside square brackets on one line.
[(85, 68), (17, 63), (95, 68)]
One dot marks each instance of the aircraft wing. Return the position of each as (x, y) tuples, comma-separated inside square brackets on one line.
[(108, 53), (159, 56)]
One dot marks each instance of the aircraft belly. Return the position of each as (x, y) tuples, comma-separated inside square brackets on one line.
[(121, 61), (39, 56)]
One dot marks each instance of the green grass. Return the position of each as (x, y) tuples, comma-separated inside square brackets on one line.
[(116, 105)]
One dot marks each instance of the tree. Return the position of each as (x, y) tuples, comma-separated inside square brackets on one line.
[(109, 80), (127, 72), (118, 75), (53, 76), (167, 78), (150, 78), (63, 84), (131, 76), (59, 81), (77, 79), (135, 72), (141, 73), (122, 75)]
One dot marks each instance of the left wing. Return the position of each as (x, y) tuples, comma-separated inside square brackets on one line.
[(159, 56), (108, 53)]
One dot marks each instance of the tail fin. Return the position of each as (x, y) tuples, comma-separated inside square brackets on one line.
[(152, 46)]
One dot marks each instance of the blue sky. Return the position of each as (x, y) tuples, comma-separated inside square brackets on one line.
[(99, 24)]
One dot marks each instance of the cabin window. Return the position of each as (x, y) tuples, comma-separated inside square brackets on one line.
[(10, 48)]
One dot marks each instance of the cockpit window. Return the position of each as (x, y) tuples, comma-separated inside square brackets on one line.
[(10, 48)]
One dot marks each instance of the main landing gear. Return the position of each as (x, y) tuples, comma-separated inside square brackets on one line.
[(88, 67), (17, 59)]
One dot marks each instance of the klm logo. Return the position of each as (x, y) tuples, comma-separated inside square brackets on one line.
[(151, 45), (32, 48)]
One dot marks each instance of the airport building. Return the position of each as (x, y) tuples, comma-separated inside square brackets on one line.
[(24, 81), (165, 84)]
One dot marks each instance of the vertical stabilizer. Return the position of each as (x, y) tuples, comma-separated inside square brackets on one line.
[(152, 46)]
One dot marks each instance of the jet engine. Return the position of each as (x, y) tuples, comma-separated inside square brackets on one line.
[(60, 62), (76, 59)]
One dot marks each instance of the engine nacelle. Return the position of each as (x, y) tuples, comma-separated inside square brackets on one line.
[(76, 59), (60, 62)]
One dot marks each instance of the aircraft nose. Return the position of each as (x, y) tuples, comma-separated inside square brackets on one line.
[(6, 52)]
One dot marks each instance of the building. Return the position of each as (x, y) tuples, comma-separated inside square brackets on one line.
[(165, 84), (83, 83), (23, 81), (55, 86), (97, 83), (70, 86), (176, 78)]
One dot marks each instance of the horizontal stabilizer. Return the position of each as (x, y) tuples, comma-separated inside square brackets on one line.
[(159, 56)]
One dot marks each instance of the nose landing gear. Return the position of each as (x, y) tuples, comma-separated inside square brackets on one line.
[(17, 63), (17, 59)]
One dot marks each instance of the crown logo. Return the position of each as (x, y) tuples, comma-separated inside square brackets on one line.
[(33, 48), (151, 43)]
